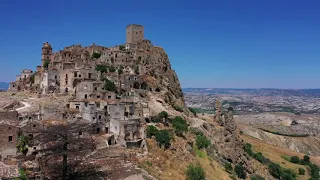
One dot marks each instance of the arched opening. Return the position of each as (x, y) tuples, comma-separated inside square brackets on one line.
[(147, 120), (144, 85), (85, 96), (136, 85), (66, 90)]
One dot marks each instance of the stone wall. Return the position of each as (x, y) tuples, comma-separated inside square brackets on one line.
[(8, 139), (9, 115)]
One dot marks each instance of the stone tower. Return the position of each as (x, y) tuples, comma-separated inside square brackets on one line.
[(134, 33), (46, 52)]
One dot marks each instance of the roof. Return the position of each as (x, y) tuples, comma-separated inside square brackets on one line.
[(134, 25)]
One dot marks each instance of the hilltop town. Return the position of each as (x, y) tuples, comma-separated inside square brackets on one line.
[(119, 113)]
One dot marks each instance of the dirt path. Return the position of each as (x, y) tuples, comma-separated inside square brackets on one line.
[(25, 106)]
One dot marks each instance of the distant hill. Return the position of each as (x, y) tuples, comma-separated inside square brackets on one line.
[(4, 86)]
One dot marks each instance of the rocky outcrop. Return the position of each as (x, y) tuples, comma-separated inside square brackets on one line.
[(165, 79), (228, 143)]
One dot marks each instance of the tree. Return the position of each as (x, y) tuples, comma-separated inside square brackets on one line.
[(46, 63), (102, 68), (163, 138), (301, 171), (180, 125), (109, 85), (122, 47), (22, 145), (64, 146), (96, 55), (228, 167), (22, 175), (257, 177), (202, 142), (247, 149), (275, 170), (163, 114), (195, 172), (306, 159), (239, 170), (258, 156), (288, 174), (295, 159), (151, 131)]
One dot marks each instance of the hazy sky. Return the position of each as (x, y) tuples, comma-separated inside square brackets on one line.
[(229, 43)]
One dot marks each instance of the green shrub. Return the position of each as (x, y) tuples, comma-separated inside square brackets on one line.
[(193, 111), (247, 149), (275, 170), (228, 167), (306, 159), (257, 177), (122, 47), (202, 142), (178, 108), (22, 175), (109, 86), (96, 55), (102, 68), (120, 71), (46, 63), (151, 131), (163, 138), (258, 156), (295, 159), (288, 174), (314, 172), (195, 172), (155, 119), (301, 171), (180, 125), (32, 78), (112, 69), (239, 170), (163, 114), (196, 131)]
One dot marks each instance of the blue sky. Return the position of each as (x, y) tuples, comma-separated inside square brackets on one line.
[(218, 44)]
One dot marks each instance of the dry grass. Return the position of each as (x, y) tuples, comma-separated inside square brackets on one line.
[(171, 164)]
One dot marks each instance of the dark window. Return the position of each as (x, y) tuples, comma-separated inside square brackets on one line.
[(85, 96), (80, 133), (47, 51), (109, 97), (95, 88), (9, 127), (89, 75), (98, 130), (30, 136), (34, 125), (99, 116), (77, 107), (10, 139)]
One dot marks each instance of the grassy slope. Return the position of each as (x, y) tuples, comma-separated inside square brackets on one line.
[(171, 164), (275, 154)]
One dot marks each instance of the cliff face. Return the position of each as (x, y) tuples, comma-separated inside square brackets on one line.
[(166, 79)]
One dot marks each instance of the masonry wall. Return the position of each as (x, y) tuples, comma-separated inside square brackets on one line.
[(9, 115), (8, 146)]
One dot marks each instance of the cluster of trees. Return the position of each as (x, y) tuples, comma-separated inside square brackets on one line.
[(238, 169), (163, 137), (178, 108), (281, 173), (314, 169)]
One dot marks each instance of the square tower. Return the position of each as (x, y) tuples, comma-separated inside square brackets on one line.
[(134, 33)]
